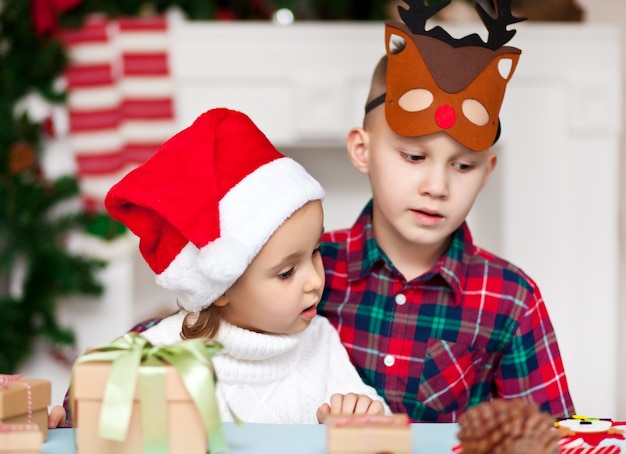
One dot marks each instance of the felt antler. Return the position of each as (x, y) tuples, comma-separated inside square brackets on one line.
[(498, 34), (434, 78), (418, 13)]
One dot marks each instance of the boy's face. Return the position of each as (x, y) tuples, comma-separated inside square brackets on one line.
[(423, 187), (280, 289)]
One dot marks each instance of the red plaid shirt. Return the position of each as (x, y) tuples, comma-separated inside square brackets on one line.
[(472, 328)]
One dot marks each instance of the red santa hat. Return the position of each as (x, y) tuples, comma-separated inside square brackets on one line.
[(205, 204)]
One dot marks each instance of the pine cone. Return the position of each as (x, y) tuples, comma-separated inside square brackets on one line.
[(507, 427)]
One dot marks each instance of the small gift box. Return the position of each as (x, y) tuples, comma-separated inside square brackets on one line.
[(368, 434), (131, 397), (20, 439), (25, 400)]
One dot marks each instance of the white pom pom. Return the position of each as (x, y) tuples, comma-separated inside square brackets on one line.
[(223, 260)]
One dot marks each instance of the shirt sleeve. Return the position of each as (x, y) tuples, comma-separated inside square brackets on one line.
[(531, 366)]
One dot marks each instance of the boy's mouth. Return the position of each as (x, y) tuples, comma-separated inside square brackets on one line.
[(428, 216), (430, 213)]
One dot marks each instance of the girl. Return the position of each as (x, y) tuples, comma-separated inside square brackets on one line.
[(232, 227)]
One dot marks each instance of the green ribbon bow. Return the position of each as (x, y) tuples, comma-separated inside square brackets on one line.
[(133, 357)]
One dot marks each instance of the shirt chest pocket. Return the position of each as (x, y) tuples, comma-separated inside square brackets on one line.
[(448, 375)]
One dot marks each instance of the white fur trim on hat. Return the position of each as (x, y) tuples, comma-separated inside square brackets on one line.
[(249, 214)]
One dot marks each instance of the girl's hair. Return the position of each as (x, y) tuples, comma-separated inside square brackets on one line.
[(203, 324)]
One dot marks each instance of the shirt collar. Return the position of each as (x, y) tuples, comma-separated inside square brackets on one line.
[(363, 254), (362, 249)]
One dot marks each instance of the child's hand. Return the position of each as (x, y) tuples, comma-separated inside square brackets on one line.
[(350, 404), (56, 418)]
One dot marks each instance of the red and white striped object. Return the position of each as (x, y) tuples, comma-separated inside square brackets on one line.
[(145, 86), (570, 446), (120, 106)]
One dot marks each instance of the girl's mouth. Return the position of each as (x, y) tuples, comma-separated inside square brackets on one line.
[(309, 312)]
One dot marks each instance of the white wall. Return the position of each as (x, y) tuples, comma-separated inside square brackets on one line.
[(613, 12)]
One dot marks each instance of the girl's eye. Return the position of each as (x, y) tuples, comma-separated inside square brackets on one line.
[(287, 274), (316, 251), (413, 157)]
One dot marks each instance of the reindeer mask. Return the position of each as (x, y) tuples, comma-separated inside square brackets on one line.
[(440, 83)]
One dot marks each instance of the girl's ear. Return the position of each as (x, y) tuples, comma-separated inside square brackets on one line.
[(221, 301), (357, 143)]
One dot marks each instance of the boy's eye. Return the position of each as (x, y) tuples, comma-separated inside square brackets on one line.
[(316, 251), (463, 167), (413, 157), (287, 274)]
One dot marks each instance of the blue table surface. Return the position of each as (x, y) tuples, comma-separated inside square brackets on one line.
[(428, 438)]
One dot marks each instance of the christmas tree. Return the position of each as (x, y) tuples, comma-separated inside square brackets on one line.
[(35, 267)]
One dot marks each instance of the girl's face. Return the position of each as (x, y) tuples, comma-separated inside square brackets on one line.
[(279, 291)]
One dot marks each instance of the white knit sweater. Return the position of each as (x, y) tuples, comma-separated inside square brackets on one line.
[(279, 379)]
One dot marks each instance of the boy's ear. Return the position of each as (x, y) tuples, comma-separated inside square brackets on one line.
[(221, 301), (492, 161), (357, 143)]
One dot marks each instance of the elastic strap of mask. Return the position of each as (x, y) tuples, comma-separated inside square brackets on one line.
[(375, 103)]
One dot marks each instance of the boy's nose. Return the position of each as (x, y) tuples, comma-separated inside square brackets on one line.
[(435, 182)]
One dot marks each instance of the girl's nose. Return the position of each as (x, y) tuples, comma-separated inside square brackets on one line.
[(316, 275)]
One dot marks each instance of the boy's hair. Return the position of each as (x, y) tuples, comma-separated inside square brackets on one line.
[(379, 77)]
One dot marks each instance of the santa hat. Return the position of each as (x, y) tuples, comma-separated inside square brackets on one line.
[(205, 204)]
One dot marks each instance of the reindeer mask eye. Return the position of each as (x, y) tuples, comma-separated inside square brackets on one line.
[(441, 83)]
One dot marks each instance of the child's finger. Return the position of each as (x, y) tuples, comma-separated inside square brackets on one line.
[(349, 403), (56, 418), (375, 409), (322, 412), (362, 405)]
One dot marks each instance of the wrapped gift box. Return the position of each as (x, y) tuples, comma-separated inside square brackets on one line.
[(187, 435), (368, 434), (20, 439), (14, 401)]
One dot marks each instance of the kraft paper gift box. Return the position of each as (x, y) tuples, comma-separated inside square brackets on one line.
[(161, 411), (368, 434), (20, 439), (25, 400)]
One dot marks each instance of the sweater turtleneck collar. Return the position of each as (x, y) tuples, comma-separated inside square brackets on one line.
[(248, 345), (255, 356)]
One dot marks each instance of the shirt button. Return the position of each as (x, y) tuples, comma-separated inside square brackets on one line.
[(389, 360), (400, 299)]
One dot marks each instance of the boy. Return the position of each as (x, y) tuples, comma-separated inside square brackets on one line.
[(434, 323)]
